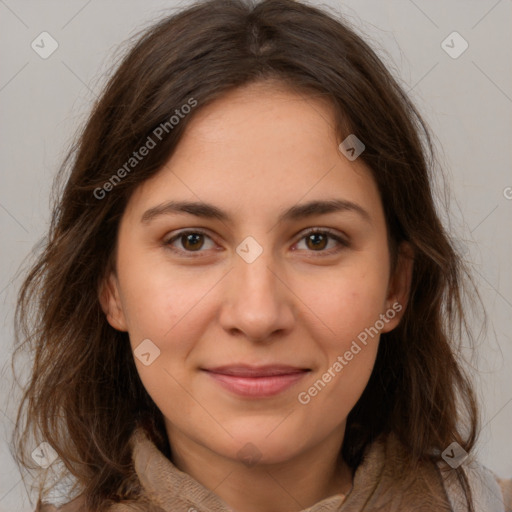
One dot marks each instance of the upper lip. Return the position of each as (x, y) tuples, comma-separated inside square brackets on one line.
[(245, 370)]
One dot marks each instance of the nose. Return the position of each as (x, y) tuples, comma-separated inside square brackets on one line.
[(258, 304)]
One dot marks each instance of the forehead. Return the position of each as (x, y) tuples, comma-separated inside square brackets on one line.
[(262, 117), (257, 149)]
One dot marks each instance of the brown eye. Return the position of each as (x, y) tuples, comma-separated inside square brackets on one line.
[(189, 241), (317, 240), (192, 241)]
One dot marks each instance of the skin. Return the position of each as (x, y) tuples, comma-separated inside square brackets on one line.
[(254, 153)]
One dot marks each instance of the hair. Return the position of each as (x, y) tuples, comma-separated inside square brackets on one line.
[(84, 395)]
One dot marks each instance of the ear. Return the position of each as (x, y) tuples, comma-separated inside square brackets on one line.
[(110, 301), (399, 287)]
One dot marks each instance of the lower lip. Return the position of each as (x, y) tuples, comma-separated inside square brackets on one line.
[(257, 387)]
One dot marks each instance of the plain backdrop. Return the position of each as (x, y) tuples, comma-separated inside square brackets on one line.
[(466, 99)]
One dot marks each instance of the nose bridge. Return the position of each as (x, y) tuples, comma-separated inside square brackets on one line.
[(257, 303), (256, 275), (256, 284)]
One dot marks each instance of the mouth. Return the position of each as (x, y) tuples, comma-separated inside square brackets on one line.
[(256, 381)]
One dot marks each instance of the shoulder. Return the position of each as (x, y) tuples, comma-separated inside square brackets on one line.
[(488, 491)]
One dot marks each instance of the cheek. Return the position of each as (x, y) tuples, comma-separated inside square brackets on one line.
[(159, 299), (328, 399), (345, 301), (349, 346), (170, 317), (347, 306)]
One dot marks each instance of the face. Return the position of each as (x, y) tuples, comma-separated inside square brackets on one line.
[(256, 325)]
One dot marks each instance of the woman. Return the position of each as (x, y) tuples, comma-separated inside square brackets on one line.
[(247, 300)]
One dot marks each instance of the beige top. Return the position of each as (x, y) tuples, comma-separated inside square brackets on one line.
[(375, 487)]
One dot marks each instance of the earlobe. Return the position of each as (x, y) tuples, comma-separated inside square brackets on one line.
[(400, 286), (111, 302)]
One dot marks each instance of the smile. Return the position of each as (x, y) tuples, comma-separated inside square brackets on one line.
[(253, 382)]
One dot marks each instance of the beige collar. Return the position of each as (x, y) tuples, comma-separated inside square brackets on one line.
[(374, 487)]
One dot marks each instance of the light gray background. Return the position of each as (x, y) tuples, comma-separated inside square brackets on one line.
[(467, 101)]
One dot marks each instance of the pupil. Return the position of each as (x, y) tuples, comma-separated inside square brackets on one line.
[(192, 239), (317, 244)]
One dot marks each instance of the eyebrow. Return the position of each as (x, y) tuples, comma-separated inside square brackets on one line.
[(294, 213)]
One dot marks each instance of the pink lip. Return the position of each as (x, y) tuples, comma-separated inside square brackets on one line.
[(256, 382)]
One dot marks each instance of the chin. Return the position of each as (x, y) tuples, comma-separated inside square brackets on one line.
[(253, 444)]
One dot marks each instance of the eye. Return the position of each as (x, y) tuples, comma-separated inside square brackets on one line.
[(190, 241), (316, 240)]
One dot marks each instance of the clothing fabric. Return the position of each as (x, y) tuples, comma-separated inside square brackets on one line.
[(376, 487)]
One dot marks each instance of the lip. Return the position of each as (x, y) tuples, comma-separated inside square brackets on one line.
[(256, 381)]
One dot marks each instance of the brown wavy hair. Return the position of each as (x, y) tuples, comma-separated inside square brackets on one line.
[(84, 396)]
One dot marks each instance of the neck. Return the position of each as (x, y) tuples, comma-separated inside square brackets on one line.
[(288, 486)]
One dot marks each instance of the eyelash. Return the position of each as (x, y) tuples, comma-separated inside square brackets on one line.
[(343, 243)]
